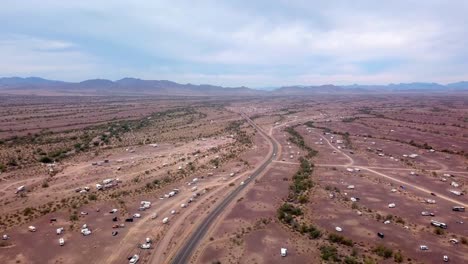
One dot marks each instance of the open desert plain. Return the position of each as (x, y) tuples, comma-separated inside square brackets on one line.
[(348, 178)]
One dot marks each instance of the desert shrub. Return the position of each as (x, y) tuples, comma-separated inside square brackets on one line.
[(2, 167), (398, 257), (464, 240), (438, 231), (329, 253), (350, 260), (45, 184), (92, 197), (335, 238), (383, 251)]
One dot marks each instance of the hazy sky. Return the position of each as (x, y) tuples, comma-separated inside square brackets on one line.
[(254, 42)]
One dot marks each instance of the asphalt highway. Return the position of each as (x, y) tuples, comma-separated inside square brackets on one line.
[(185, 252)]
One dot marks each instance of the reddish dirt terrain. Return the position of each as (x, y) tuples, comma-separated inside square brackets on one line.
[(53, 146)]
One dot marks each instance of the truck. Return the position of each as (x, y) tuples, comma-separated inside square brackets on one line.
[(59, 230), (61, 241), (458, 209), (284, 252)]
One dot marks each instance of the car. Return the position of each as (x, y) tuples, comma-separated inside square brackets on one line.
[(433, 194), (114, 219), (113, 211), (114, 233), (129, 220), (84, 213), (458, 209), (136, 215), (380, 234), (453, 241), (446, 258), (61, 241), (134, 259)]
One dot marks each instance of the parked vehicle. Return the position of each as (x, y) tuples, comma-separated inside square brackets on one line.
[(380, 234), (134, 259), (438, 224), (129, 220), (113, 211), (61, 241), (284, 252), (114, 233), (165, 220), (423, 247), (458, 209), (446, 258), (136, 215), (32, 229)]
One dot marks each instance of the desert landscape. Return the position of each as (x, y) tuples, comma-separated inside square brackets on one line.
[(351, 179)]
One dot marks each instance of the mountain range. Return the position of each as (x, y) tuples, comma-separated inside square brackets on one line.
[(139, 87)]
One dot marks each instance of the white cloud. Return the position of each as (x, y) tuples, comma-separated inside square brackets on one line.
[(259, 43)]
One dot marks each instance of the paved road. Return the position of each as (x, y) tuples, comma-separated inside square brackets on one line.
[(184, 254)]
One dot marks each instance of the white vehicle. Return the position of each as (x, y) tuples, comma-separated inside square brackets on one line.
[(387, 222), (173, 212), (194, 188), (145, 204), (393, 190), (423, 247), (392, 205), (98, 186), (171, 194), (446, 258), (85, 232), (32, 229), (84, 213), (458, 193), (113, 211), (145, 246), (351, 187), (20, 189), (430, 201), (338, 229), (5, 237), (154, 216), (353, 199), (439, 224), (148, 240), (165, 220), (453, 241), (107, 181), (242, 183), (284, 252), (134, 259), (183, 205), (61, 241), (425, 213), (136, 215), (59, 230)]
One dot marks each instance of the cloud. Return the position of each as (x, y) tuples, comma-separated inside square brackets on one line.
[(255, 43)]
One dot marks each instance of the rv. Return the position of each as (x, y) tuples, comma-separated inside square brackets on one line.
[(438, 224)]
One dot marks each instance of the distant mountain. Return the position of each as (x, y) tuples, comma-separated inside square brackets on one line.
[(123, 87), (139, 87)]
